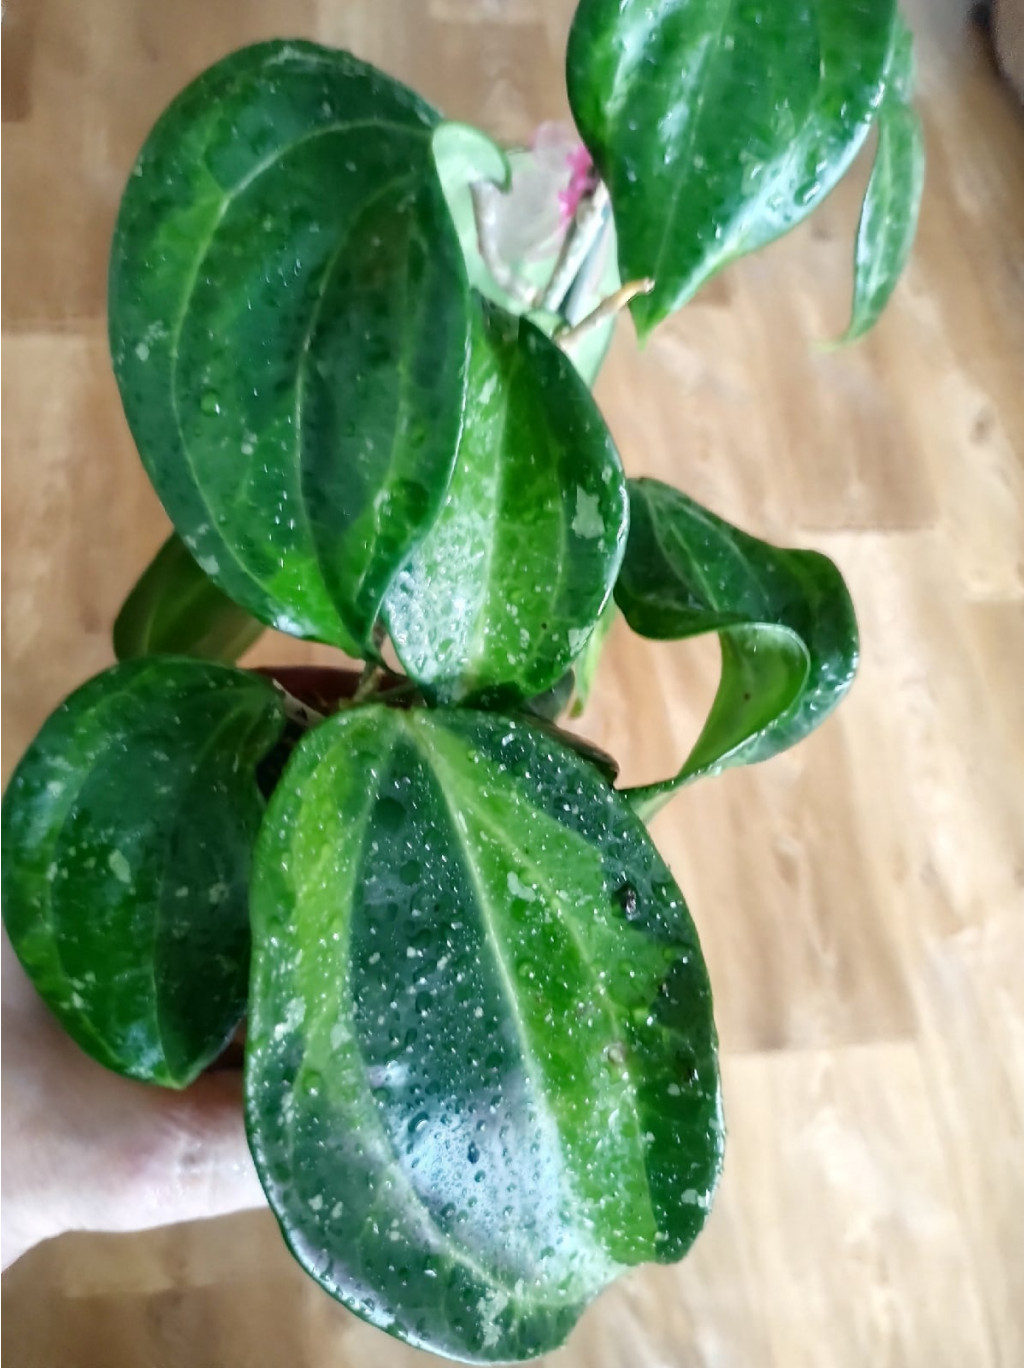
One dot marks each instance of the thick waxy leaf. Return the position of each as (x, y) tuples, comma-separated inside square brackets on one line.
[(507, 586), (128, 831), (550, 704), (719, 127), (888, 219), (176, 609), (481, 1070), (784, 618), (288, 321)]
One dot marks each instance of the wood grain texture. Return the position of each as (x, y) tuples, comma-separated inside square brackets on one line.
[(861, 899)]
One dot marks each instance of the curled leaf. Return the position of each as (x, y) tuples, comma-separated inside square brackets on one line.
[(784, 619)]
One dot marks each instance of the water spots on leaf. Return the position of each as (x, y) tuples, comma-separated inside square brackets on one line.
[(410, 872), (513, 1104), (588, 521), (625, 896), (615, 1055), (119, 867), (419, 1123), (518, 889)]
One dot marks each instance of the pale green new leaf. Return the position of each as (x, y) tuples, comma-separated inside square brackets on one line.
[(586, 666), (485, 186)]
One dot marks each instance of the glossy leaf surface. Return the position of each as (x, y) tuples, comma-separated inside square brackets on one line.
[(550, 704), (719, 127), (785, 622), (888, 219), (128, 831), (507, 586), (288, 322), (176, 609), (481, 1072)]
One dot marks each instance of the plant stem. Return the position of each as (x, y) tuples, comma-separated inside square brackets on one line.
[(607, 308), (369, 681), (583, 232), (586, 284), (297, 711)]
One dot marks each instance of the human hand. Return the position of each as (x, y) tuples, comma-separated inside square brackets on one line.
[(84, 1149)]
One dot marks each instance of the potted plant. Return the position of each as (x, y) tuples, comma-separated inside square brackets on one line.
[(354, 345)]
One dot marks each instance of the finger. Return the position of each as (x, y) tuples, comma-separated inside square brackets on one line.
[(209, 1170)]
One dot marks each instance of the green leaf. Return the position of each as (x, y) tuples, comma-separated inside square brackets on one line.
[(507, 586), (785, 622), (481, 1074), (901, 69), (175, 609), (128, 831), (288, 322), (718, 127), (550, 704), (888, 219), (586, 666), (606, 765)]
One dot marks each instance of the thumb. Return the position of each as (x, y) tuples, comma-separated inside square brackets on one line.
[(205, 1159)]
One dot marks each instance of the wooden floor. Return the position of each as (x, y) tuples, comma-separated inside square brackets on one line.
[(861, 899)]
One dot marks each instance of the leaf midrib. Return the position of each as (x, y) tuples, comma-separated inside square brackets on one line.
[(402, 368), (458, 1253), (436, 758), (714, 51), (229, 197)]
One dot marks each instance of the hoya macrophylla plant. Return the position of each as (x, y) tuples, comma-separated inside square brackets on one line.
[(355, 345)]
